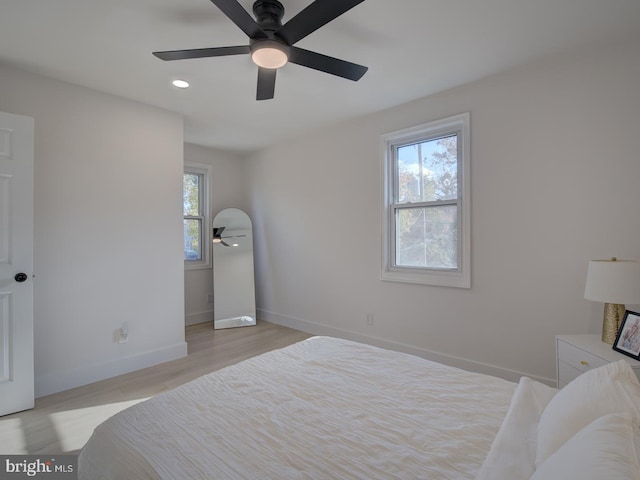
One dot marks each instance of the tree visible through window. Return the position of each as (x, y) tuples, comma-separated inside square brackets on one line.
[(426, 213), (192, 198)]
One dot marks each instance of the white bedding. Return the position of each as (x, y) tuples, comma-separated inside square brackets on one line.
[(513, 453), (320, 409)]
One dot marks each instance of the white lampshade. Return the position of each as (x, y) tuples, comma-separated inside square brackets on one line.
[(613, 281)]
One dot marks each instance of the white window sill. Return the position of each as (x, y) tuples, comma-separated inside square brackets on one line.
[(438, 278)]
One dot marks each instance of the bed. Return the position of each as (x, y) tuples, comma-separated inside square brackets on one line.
[(327, 408)]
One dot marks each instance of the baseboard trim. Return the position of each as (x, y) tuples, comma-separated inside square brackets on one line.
[(198, 317), (459, 362), (54, 383)]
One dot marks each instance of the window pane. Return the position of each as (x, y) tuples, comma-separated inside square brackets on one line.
[(192, 239), (427, 237), (428, 171), (191, 194)]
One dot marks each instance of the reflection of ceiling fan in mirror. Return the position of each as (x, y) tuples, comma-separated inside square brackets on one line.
[(218, 238)]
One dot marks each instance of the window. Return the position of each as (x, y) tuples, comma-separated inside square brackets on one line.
[(426, 203), (195, 201)]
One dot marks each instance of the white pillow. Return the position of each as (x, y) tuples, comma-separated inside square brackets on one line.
[(606, 448), (613, 388), (512, 454)]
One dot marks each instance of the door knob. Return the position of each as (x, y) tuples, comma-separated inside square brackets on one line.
[(20, 277)]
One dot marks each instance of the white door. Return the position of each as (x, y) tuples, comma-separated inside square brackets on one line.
[(16, 263)]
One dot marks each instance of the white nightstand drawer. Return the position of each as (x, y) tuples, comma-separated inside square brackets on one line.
[(566, 373), (577, 358), (577, 354)]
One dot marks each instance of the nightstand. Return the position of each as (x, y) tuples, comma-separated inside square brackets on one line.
[(575, 354)]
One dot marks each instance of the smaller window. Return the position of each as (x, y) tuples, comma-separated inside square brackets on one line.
[(195, 201)]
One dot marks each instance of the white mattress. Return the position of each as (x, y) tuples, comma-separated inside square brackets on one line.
[(320, 409)]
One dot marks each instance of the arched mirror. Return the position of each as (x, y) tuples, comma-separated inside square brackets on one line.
[(234, 302)]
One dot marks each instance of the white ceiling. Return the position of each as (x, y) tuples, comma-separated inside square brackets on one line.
[(413, 48)]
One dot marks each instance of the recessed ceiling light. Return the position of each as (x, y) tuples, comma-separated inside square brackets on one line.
[(180, 83)]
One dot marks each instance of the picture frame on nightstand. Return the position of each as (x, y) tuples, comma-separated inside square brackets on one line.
[(628, 338)]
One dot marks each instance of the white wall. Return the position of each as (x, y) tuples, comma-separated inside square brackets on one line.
[(555, 165), (228, 189), (108, 233)]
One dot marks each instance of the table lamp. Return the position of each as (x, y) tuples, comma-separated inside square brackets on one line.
[(614, 282)]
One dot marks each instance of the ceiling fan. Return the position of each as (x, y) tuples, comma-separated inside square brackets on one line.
[(218, 238), (271, 44)]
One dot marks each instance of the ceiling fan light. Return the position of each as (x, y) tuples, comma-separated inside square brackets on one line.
[(269, 54)]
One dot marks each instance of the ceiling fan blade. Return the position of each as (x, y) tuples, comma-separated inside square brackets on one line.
[(266, 83), (238, 15), (334, 66), (313, 17), (202, 52)]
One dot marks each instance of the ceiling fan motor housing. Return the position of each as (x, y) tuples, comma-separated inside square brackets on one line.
[(268, 15)]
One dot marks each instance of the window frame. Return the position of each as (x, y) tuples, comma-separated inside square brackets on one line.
[(389, 143), (205, 201)]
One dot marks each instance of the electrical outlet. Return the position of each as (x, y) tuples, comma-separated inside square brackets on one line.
[(124, 333), (123, 338), (210, 298), (369, 320)]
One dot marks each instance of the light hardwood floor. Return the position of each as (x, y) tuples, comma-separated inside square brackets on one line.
[(63, 422)]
